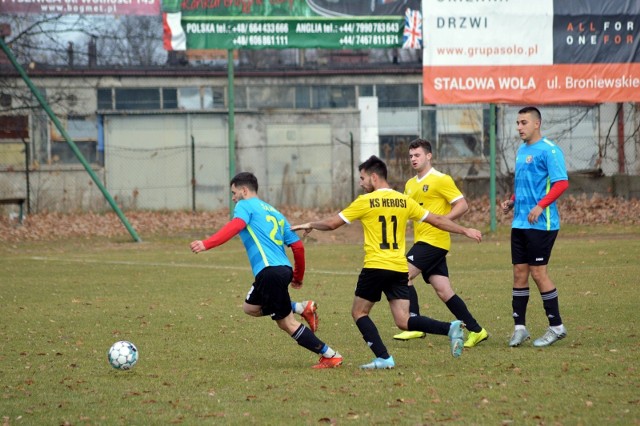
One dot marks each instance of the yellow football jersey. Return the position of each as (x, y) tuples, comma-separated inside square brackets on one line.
[(435, 192), (384, 214)]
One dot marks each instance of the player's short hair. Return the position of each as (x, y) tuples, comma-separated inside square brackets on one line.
[(374, 165), (421, 143), (531, 110), (245, 179)]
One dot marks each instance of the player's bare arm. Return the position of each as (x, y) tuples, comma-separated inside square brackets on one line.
[(458, 208), (448, 225), (328, 224)]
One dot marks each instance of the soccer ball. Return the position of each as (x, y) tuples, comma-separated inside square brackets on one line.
[(123, 355)]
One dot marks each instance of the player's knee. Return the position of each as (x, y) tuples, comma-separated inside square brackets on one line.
[(539, 275)]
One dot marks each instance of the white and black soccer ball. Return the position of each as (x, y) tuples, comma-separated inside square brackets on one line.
[(123, 355)]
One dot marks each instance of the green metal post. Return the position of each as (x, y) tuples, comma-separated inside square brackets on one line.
[(193, 174), (70, 142), (492, 153), (231, 125), (27, 163), (353, 176)]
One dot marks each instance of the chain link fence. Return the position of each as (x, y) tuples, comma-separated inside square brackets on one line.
[(308, 159)]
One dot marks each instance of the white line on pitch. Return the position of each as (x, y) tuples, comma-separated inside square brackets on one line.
[(178, 265)]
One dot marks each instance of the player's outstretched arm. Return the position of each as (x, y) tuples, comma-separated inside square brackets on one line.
[(225, 233), (328, 224), (448, 225)]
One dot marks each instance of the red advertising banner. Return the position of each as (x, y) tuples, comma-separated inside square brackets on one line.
[(585, 51), (80, 7)]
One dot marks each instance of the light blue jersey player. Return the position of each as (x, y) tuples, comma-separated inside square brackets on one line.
[(538, 167), (264, 232), (265, 235), (541, 177)]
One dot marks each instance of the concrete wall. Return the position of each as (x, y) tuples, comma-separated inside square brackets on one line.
[(300, 158), (69, 189)]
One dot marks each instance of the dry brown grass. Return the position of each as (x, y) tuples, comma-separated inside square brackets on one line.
[(50, 226)]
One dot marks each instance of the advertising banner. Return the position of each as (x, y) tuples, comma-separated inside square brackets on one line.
[(556, 51), (80, 7), (282, 24), (282, 33)]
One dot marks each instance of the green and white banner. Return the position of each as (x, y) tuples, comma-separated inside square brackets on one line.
[(282, 33), (283, 24)]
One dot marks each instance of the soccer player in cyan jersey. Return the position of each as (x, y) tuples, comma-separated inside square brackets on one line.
[(438, 193), (384, 213), (264, 232), (540, 178)]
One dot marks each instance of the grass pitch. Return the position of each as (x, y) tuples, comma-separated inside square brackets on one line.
[(202, 361)]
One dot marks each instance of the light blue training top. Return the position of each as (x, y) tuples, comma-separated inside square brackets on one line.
[(538, 166), (266, 234)]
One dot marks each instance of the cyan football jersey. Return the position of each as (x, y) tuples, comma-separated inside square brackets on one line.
[(266, 234), (538, 166)]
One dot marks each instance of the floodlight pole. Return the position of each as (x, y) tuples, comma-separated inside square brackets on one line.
[(70, 142)]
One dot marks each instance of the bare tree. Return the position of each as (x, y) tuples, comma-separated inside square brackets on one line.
[(44, 39), (66, 40), (129, 41)]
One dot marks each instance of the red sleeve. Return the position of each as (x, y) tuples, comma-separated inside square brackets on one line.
[(298, 259), (556, 190), (225, 233), (513, 198)]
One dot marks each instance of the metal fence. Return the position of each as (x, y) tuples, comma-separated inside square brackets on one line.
[(308, 160)]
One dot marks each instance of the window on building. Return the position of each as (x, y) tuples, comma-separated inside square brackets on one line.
[(460, 132), (137, 99), (169, 98), (333, 96), (105, 99), (395, 146), (240, 96), (271, 97), (84, 133), (429, 127), (303, 97), (207, 97), (365, 90), (459, 145), (398, 95), (217, 97), (5, 100), (189, 98)]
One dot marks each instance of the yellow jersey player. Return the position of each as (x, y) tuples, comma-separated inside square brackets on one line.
[(438, 193), (384, 213)]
